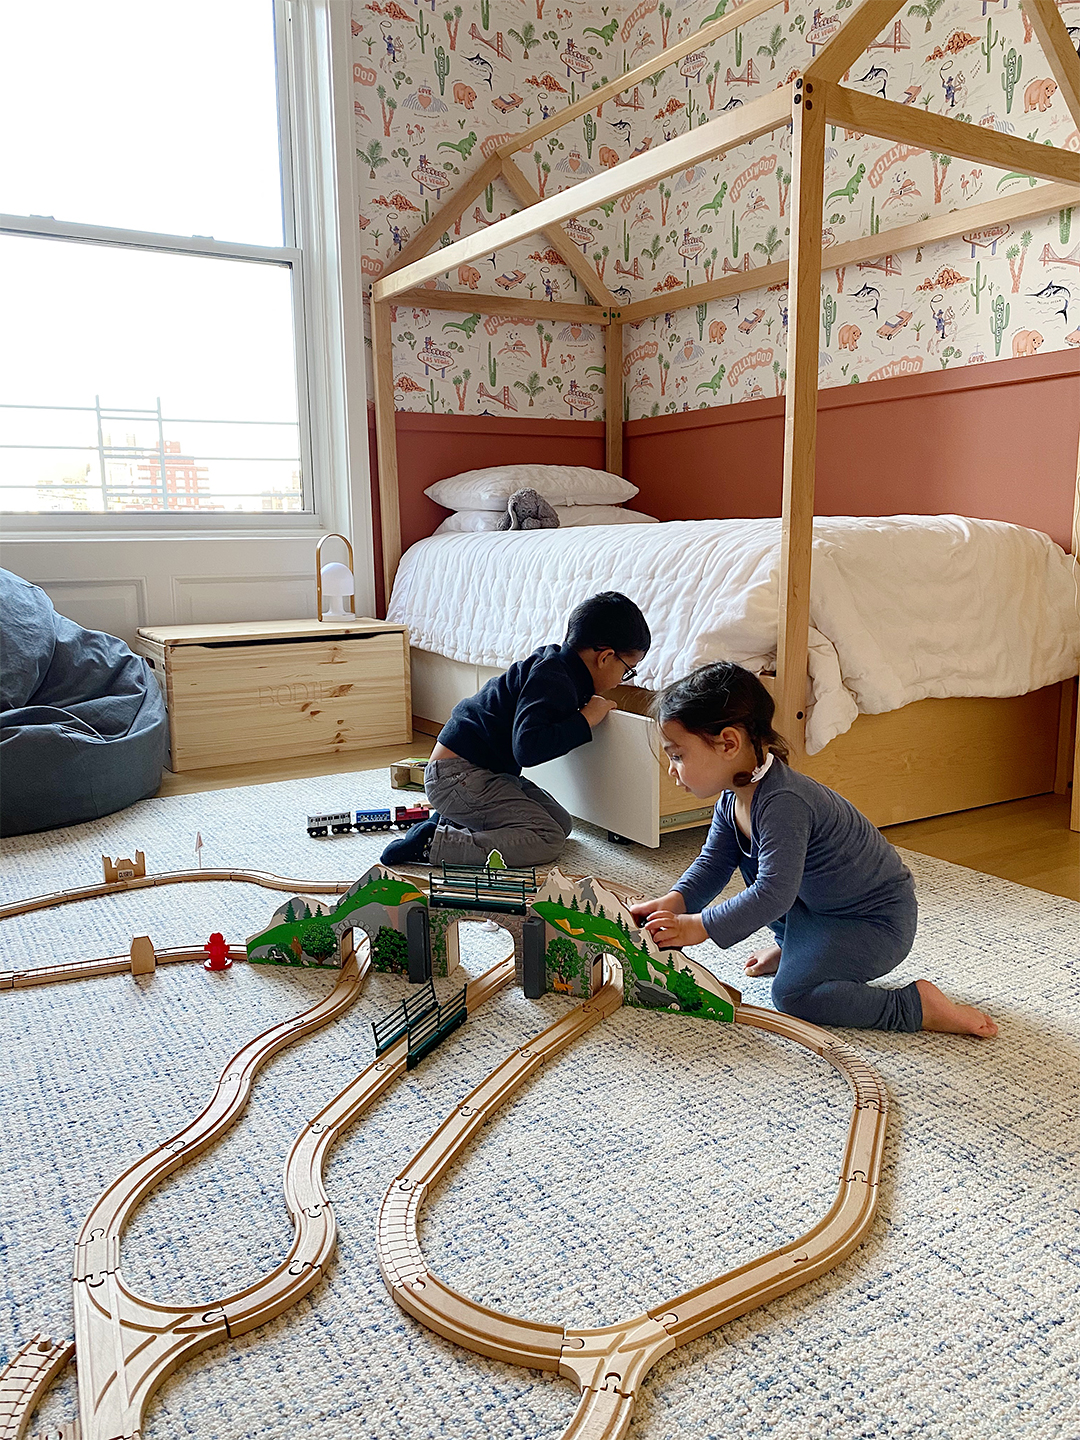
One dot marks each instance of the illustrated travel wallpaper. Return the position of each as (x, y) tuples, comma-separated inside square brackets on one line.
[(438, 87)]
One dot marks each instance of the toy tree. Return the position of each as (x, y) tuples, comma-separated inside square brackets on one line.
[(390, 952), (495, 861), (685, 989), (562, 958), (318, 938)]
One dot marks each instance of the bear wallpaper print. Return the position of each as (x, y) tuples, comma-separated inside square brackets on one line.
[(437, 87)]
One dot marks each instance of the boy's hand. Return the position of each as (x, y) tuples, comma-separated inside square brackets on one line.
[(598, 709), (672, 902), (674, 931)]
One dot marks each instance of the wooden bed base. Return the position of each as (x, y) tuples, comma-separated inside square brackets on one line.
[(929, 758)]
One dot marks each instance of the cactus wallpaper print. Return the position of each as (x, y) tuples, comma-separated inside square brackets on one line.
[(437, 87)]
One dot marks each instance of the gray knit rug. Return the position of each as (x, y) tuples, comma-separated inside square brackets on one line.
[(655, 1154)]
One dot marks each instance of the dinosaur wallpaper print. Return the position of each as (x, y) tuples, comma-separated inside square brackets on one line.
[(438, 87)]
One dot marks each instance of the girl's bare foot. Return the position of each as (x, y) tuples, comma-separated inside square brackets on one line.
[(764, 962), (944, 1015)]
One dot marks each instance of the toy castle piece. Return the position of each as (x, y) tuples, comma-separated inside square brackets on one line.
[(124, 869), (143, 958)]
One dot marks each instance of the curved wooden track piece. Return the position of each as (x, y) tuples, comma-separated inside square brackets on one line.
[(121, 1340), (610, 1363), (25, 1379), (127, 1345), (173, 877)]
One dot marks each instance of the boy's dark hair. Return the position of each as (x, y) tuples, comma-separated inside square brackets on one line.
[(708, 700), (608, 620)]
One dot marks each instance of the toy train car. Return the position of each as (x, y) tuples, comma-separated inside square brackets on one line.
[(344, 822), (372, 820), (340, 823), (406, 816)]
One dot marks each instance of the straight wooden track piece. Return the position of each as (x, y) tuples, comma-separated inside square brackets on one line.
[(107, 965)]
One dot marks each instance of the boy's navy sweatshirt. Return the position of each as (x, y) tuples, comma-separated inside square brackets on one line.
[(529, 715)]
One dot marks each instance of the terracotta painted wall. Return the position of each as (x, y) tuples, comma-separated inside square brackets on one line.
[(995, 441), (438, 86), (430, 447), (958, 441)]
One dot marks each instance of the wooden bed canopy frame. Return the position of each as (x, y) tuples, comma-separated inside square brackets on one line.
[(808, 103)]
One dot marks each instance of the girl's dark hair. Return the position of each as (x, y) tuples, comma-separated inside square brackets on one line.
[(708, 700)]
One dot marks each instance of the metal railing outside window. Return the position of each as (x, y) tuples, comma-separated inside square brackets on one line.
[(160, 477)]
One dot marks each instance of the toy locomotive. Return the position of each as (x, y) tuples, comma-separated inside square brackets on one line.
[(344, 822)]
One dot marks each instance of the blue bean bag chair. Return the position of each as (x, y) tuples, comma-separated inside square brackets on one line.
[(83, 728)]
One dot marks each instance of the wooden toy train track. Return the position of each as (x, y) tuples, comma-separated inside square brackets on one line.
[(127, 1346), (610, 1363)]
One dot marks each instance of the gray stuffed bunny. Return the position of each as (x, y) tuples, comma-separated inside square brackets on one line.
[(528, 510)]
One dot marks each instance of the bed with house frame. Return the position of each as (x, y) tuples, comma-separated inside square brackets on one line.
[(931, 755)]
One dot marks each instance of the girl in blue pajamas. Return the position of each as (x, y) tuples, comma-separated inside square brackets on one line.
[(834, 892)]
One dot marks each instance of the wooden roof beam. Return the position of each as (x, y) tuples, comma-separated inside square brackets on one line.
[(768, 112), (576, 263), (448, 214), (1022, 206), (890, 120)]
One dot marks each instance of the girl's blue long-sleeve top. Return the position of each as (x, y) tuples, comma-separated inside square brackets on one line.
[(807, 843)]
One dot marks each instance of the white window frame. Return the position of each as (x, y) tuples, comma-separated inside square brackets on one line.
[(320, 205)]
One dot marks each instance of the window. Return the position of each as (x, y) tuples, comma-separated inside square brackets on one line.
[(154, 355)]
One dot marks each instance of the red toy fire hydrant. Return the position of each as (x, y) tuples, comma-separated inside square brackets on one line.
[(218, 952)]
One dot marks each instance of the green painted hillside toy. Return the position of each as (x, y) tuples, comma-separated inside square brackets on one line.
[(562, 931)]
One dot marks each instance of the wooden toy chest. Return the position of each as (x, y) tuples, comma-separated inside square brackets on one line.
[(272, 689)]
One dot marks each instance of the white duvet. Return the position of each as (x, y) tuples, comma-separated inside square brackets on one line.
[(901, 607)]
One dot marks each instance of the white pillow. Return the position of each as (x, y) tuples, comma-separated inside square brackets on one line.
[(602, 515), (559, 484), (471, 521)]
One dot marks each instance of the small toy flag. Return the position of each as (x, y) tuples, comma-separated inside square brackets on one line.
[(198, 846)]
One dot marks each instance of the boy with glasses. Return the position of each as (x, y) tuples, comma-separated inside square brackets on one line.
[(543, 707)]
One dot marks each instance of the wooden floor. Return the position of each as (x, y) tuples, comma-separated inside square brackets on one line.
[(1027, 841)]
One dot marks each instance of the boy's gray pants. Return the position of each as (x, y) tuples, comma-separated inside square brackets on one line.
[(481, 811)]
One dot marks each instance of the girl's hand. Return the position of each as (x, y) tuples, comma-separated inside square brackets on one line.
[(675, 931), (672, 902)]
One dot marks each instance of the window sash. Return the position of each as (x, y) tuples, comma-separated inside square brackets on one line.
[(298, 79)]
